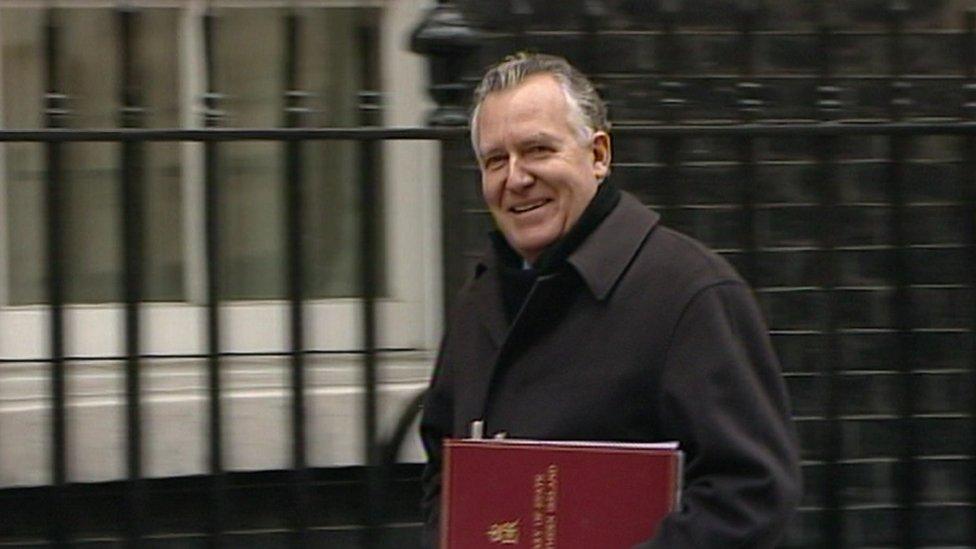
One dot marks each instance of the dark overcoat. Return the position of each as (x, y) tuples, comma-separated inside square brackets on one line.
[(645, 336)]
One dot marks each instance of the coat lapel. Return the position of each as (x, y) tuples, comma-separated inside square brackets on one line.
[(486, 293), (601, 260), (489, 308)]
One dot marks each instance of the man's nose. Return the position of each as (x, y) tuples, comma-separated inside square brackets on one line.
[(518, 176)]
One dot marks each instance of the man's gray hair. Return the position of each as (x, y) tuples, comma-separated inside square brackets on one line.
[(587, 109)]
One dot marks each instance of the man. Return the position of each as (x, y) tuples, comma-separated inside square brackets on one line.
[(587, 320)]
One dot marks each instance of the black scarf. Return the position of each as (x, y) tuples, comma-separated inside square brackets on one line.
[(517, 281)]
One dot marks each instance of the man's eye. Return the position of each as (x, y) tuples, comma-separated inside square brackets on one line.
[(494, 162), (537, 150)]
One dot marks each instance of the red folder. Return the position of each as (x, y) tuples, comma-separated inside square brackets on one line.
[(499, 494)]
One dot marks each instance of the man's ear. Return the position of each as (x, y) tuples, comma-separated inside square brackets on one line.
[(601, 154)]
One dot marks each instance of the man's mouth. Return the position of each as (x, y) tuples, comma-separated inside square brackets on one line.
[(529, 206)]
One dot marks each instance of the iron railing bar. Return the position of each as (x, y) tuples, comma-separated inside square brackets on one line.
[(294, 232), (521, 12), (780, 206), (369, 217), (217, 493), (54, 211), (132, 214), (101, 540), (368, 212), (593, 12), (865, 331), (799, 33), (671, 107), (891, 507), (749, 105), (906, 472), (968, 59), (453, 216), (770, 77), (383, 351), (729, 129), (787, 163), (859, 288), (872, 373), (832, 528), (203, 356), (848, 248), (885, 417), (933, 458)]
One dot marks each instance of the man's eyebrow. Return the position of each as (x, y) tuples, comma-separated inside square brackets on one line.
[(485, 153), (541, 137)]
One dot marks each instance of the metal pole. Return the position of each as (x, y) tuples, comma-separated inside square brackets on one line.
[(832, 527), (968, 55), (369, 198), (594, 11), (907, 469), (448, 132), (54, 115), (521, 11), (749, 104), (671, 103), (294, 212), (215, 439), (132, 214)]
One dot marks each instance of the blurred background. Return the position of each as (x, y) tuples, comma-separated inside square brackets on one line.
[(224, 263)]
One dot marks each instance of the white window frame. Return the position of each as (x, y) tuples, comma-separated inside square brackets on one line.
[(409, 318)]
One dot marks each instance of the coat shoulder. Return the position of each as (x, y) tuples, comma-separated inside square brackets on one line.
[(686, 265)]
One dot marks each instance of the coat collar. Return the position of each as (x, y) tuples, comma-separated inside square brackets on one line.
[(486, 293), (600, 260)]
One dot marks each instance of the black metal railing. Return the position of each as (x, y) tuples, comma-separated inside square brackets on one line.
[(302, 481), (823, 407), (131, 138)]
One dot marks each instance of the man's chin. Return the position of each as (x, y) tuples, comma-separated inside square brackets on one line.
[(531, 250), (529, 242)]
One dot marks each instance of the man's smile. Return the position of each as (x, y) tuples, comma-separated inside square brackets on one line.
[(529, 206)]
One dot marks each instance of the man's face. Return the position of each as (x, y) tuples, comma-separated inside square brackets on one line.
[(537, 172)]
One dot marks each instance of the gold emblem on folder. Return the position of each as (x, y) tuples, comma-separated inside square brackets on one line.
[(506, 533)]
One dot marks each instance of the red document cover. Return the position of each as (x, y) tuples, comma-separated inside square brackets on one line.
[(498, 494)]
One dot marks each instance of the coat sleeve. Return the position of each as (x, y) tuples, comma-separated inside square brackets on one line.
[(435, 424), (723, 399)]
